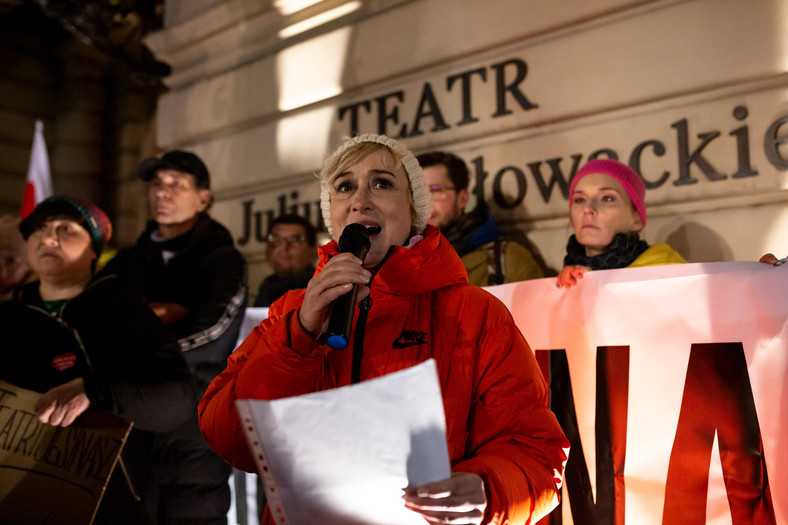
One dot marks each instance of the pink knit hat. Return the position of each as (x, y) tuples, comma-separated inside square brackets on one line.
[(623, 174)]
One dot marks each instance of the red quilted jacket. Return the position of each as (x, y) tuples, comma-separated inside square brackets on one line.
[(495, 398)]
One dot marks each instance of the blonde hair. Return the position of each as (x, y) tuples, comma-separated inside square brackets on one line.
[(353, 151)]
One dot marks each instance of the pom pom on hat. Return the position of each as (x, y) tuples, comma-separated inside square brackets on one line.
[(623, 174), (91, 216), (422, 198)]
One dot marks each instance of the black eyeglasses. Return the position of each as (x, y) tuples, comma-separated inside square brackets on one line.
[(275, 240)]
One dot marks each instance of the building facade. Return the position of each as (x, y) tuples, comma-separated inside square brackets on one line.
[(691, 93)]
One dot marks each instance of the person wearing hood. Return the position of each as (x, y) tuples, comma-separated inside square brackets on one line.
[(187, 269), (506, 449), (488, 256), (86, 342)]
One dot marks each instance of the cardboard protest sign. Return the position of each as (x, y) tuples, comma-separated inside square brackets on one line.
[(51, 474)]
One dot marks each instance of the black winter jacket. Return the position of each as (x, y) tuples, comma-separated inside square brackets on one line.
[(207, 275), (130, 364)]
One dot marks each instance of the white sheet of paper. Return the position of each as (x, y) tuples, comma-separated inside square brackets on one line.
[(343, 456)]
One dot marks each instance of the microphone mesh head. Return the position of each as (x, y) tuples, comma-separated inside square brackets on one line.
[(354, 238)]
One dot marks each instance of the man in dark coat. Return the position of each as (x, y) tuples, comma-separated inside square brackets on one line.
[(187, 269)]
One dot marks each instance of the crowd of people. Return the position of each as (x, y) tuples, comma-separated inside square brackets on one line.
[(151, 336)]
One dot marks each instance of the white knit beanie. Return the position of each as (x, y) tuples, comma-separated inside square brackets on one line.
[(422, 198)]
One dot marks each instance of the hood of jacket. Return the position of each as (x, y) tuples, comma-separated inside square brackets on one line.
[(472, 229), (427, 265)]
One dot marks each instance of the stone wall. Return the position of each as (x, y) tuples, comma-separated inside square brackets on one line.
[(97, 120)]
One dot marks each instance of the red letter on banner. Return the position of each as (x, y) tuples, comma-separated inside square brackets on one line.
[(717, 398)]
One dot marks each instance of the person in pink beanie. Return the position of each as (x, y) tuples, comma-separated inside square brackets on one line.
[(607, 211)]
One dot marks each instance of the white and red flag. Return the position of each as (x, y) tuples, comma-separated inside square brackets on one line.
[(39, 180)]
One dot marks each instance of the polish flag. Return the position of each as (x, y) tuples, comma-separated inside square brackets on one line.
[(39, 180)]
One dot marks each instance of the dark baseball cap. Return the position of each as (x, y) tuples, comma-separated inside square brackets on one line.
[(184, 161)]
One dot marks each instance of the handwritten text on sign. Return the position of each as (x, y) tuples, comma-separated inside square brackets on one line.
[(52, 474)]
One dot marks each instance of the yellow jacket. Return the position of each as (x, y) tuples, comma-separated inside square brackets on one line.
[(517, 264), (656, 255)]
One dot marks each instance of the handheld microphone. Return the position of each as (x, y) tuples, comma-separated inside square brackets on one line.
[(354, 239)]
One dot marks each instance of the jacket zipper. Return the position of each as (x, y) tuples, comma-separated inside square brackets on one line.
[(62, 322), (361, 325), (58, 318)]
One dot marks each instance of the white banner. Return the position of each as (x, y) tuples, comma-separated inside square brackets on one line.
[(671, 383)]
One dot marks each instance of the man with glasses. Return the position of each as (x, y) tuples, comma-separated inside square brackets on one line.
[(291, 252), (487, 255), (187, 269)]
